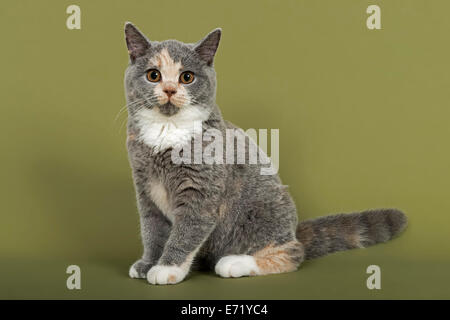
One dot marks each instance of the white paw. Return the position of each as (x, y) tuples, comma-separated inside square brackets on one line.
[(237, 266), (133, 273), (165, 275), (139, 269)]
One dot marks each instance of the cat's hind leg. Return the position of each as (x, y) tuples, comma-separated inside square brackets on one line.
[(235, 266), (268, 260)]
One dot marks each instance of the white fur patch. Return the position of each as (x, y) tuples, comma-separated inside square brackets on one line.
[(159, 196), (237, 266), (133, 273), (162, 132), (166, 274)]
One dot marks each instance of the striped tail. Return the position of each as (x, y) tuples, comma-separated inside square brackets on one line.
[(340, 232)]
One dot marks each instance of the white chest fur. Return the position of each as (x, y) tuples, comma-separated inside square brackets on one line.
[(162, 132), (160, 197)]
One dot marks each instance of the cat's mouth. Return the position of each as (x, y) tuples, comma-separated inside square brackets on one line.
[(168, 109)]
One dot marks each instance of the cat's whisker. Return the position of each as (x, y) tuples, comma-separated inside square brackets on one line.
[(120, 113), (122, 125)]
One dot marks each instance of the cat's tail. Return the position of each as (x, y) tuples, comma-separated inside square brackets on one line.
[(340, 232)]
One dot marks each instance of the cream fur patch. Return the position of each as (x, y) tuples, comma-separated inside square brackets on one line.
[(158, 194), (170, 72)]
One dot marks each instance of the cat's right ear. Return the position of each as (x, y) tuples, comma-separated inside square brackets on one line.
[(137, 43)]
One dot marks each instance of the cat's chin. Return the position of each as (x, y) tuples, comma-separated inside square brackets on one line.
[(168, 109)]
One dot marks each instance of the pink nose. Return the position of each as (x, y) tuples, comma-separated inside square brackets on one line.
[(170, 91)]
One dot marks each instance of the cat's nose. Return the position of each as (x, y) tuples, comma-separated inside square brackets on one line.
[(170, 91)]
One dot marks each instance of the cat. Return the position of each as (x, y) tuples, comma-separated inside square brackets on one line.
[(227, 217)]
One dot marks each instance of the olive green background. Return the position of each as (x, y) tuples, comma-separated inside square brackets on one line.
[(363, 118)]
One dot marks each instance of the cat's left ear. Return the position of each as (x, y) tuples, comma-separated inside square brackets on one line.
[(207, 47)]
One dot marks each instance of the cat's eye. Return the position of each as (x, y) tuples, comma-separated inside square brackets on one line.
[(153, 75), (187, 77)]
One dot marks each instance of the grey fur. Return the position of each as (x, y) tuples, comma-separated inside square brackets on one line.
[(224, 209)]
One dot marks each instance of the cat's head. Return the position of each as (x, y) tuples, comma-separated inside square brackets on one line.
[(170, 75)]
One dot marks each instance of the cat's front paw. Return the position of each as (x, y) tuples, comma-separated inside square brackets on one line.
[(139, 269), (166, 274)]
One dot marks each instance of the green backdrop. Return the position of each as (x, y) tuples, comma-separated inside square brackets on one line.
[(363, 118)]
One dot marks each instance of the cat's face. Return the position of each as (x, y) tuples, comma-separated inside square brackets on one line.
[(170, 75)]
